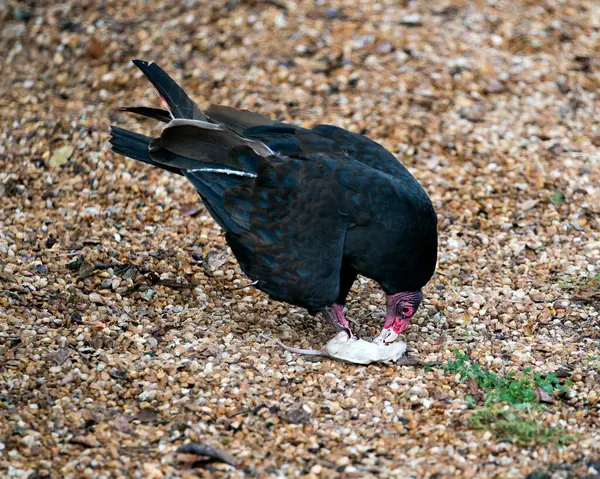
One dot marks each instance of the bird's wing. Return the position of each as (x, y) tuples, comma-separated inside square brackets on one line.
[(327, 140), (237, 120), (200, 151), (292, 240), (280, 214), (332, 139)]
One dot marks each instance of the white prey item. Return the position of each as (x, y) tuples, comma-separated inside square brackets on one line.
[(357, 351)]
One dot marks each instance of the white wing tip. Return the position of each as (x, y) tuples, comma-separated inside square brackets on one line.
[(223, 171), (205, 125)]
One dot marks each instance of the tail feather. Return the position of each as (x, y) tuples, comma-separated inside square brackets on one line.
[(154, 113), (180, 105), (212, 150), (136, 146), (130, 144)]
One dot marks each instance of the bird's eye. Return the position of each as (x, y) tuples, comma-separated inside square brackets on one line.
[(406, 310)]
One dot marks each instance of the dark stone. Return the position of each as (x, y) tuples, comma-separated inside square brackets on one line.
[(539, 475), (51, 241), (22, 14), (595, 464), (333, 12), (41, 268), (75, 264), (297, 416)]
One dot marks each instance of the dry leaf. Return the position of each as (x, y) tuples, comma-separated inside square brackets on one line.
[(189, 453), (8, 188), (95, 47), (214, 260), (528, 204), (8, 278), (473, 388), (152, 472), (187, 267), (530, 327), (409, 361), (193, 210), (96, 298), (60, 356), (85, 441), (122, 424), (92, 416), (146, 415), (297, 416), (587, 295), (544, 397), (463, 101), (129, 272), (85, 270), (61, 155)]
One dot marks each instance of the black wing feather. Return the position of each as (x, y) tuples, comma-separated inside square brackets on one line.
[(154, 113), (295, 242), (238, 120), (335, 140), (180, 105)]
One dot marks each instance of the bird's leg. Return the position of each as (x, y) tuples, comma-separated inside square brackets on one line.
[(335, 315)]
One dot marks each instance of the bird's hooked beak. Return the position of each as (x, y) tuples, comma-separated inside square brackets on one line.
[(400, 308)]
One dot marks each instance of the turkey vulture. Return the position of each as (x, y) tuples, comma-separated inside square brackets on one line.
[(304, 210)]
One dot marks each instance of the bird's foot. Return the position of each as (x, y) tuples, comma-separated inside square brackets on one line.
[(335, 315)]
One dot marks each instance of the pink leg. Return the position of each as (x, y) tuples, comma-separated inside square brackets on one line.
[(335, 315)]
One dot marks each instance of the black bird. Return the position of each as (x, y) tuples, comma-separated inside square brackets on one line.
[(304, 210)]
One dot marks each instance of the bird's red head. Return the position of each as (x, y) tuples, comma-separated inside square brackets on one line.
[(400, 308)]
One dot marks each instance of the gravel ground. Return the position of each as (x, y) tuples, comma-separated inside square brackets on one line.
[(123, 329)]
